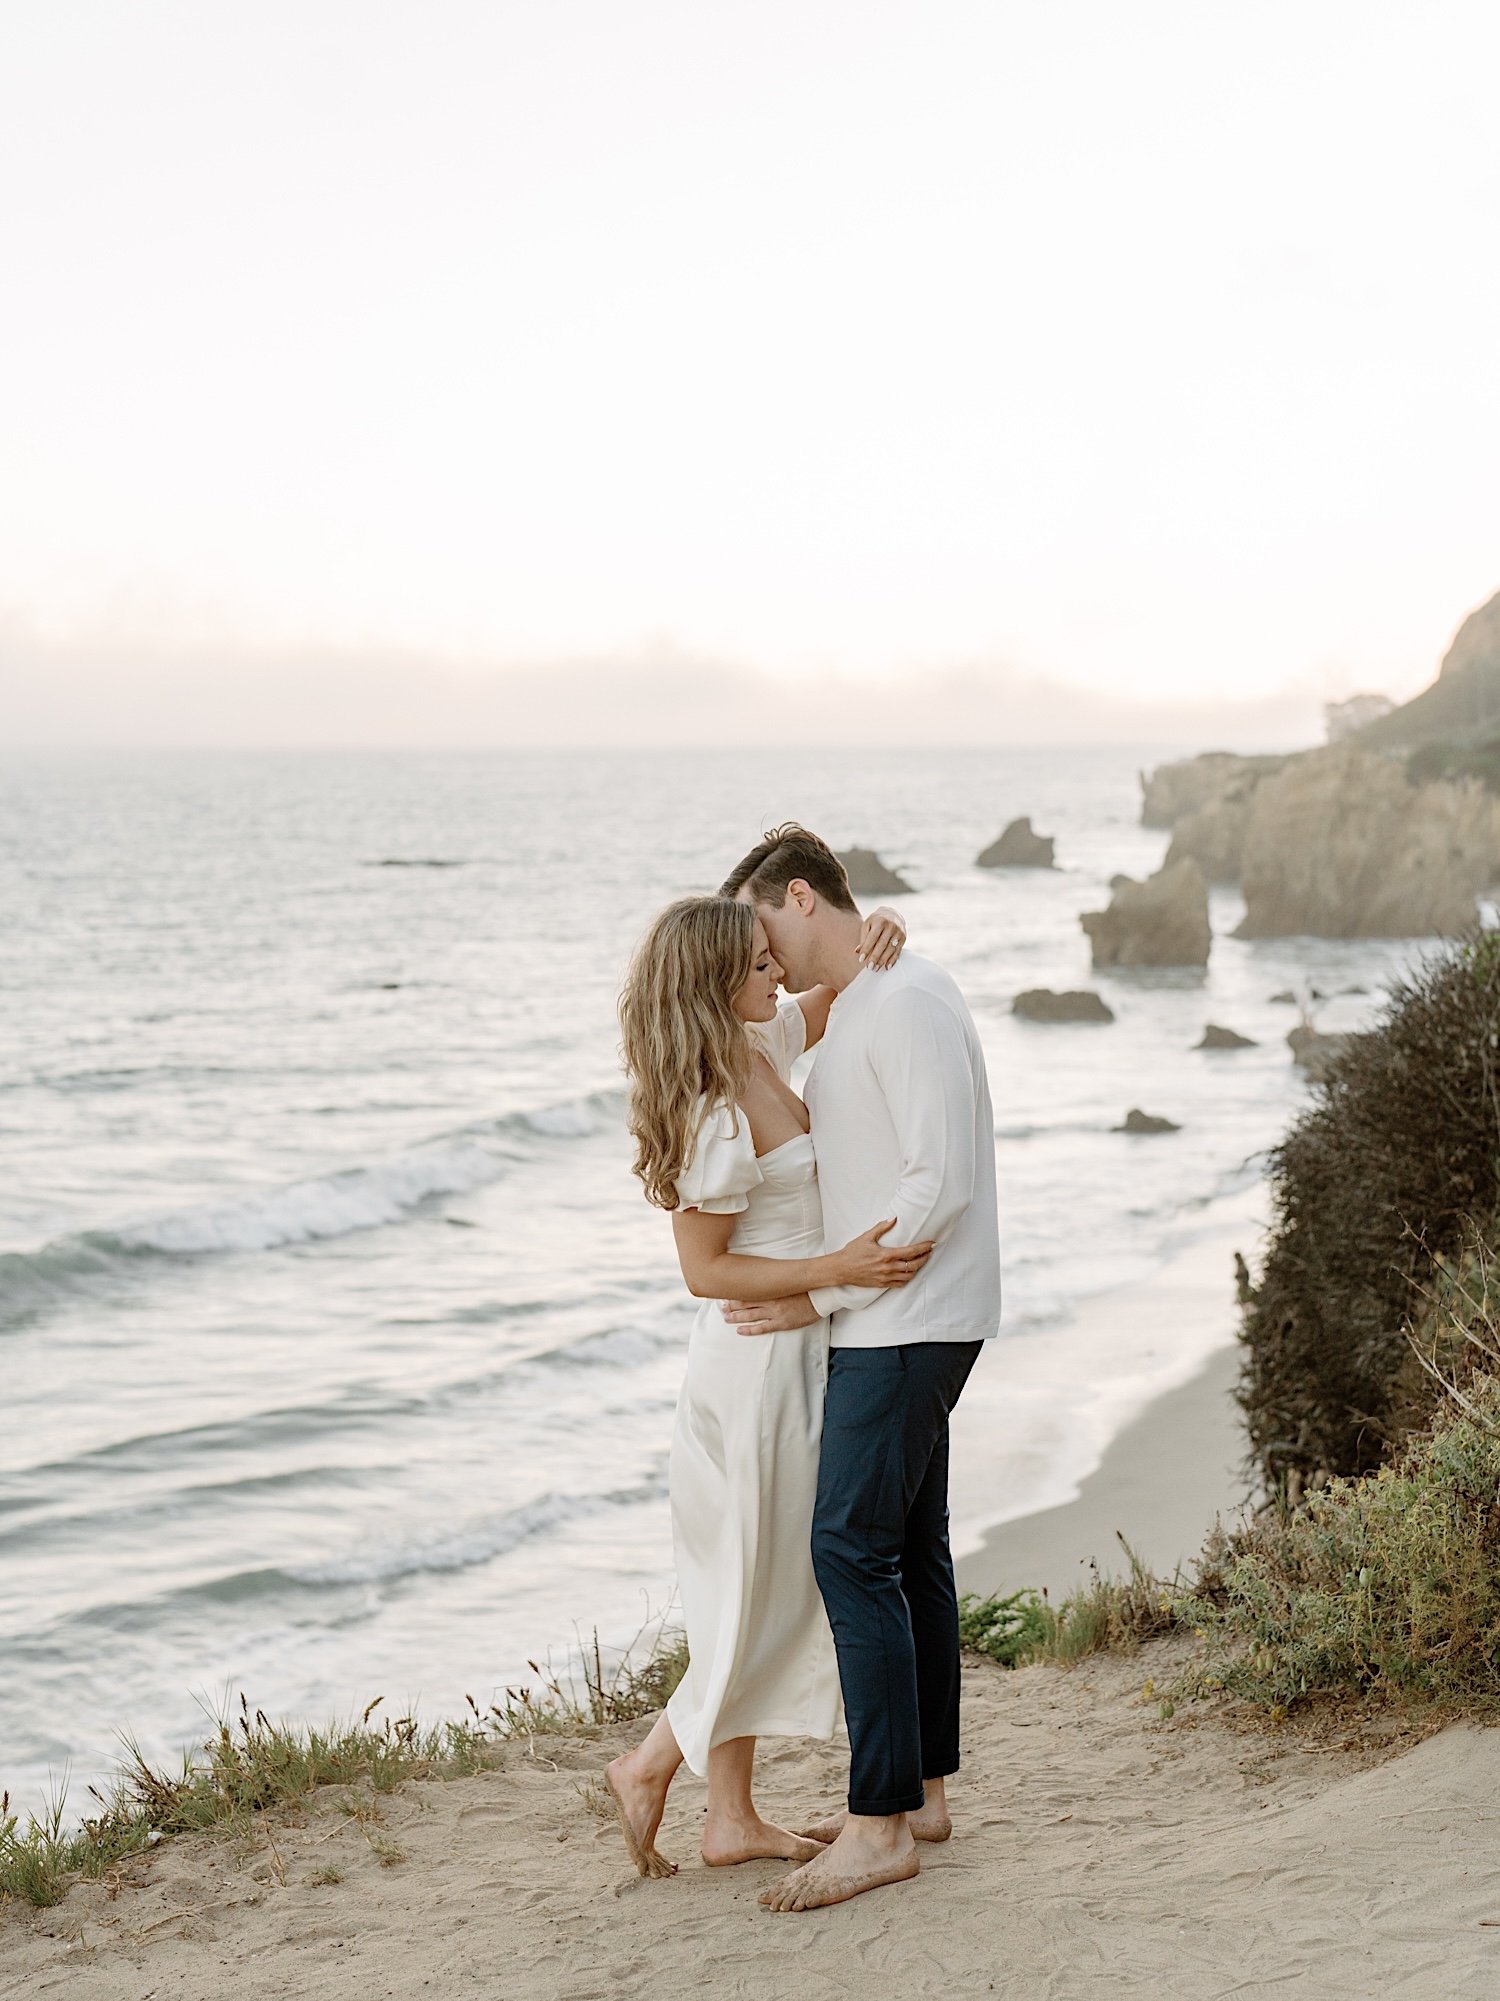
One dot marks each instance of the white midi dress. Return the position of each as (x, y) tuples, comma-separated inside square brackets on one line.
[(744, 1459)]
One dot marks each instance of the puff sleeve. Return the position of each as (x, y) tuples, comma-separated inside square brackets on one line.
[(722, 1169), (784, 1038)]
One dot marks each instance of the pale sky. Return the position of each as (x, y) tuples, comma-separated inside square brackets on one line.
[(1090, 354)]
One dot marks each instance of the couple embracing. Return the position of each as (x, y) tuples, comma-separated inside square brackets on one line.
[(809, 1462)]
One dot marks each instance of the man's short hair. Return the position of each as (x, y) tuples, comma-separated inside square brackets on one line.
[(790, 854)]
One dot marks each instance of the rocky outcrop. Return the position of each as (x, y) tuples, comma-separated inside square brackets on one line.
[(1020, 847), (1316, 1052), (1041, 1004), (869, 876), (1214, 835), (1137, 1121), (1160, 922), (1341, 844), (1397, 842), (1173, 791), (1215, 1037)]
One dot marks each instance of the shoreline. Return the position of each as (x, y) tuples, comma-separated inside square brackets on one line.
[(1042, 1534), (1177, 1462), (1161, 1484)]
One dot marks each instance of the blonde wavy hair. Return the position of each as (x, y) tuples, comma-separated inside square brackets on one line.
[(683, 1040)]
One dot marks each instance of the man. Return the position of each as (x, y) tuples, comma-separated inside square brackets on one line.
[(901, 1116)]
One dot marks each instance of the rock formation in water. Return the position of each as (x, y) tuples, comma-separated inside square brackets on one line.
[(1341, 844), (1041, 1004), (1160, 922), (1215, 1037), (1314, 1051), (1020, 847), (1173, 791), (869, 876), (1214, 835), (1137, 1121)]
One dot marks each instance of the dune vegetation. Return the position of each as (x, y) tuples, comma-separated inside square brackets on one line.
[(251, 1764), (1380, 1184), (1371, 1390)]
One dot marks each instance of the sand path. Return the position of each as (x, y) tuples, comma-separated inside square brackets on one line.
[(1098, 1852)]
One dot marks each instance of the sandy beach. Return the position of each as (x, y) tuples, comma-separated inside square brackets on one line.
[(1098, 1851), (1177, 1464), (1161, 1484)]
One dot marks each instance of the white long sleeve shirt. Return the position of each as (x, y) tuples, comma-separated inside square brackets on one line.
[(903, 1127)]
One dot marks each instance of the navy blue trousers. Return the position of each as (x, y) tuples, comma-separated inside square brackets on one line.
[(880, 1554)]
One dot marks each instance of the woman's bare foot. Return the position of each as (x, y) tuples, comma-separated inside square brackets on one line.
[(928, 1823), (639, 1804), (863, 1856), (727, 1842)]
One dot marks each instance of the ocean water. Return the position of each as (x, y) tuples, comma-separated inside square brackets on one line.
[(338, 1350)]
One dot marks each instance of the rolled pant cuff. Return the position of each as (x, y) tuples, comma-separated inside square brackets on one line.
[(881, 1809)]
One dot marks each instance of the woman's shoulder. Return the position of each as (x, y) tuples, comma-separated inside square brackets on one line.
[(721, 1169)]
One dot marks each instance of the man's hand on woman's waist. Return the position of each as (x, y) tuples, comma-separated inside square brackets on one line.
[(770, 1316)]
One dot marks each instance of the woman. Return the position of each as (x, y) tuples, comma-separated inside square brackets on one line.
[(722, 1142)]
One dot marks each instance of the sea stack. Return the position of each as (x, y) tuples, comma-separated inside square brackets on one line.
[(869, 876), (1020, 847), (1042, 1004), (1137, 1121), (1216, 1037), (1160, 922)]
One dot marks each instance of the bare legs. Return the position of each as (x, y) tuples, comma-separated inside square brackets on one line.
[(929, 1823), (733, 1832), (637, 1783)]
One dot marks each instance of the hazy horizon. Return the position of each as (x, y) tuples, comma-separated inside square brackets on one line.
[(137, 695), (967, 370)]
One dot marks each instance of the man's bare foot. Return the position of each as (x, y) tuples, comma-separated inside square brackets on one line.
[(638, 1807), (928, 1823), (729, 1842), (864, 1855)]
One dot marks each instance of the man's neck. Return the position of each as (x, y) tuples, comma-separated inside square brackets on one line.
[(838, 965)]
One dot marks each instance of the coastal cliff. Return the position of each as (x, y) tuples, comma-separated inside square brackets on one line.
[(1342, 844), (1462, 707), (1393, 832), (1173, 791)]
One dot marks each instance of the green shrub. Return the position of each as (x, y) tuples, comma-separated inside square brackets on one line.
[(1007, 1629), (1385, 1584), (1373, 1184), (1456, 1328), (1106, 1615)]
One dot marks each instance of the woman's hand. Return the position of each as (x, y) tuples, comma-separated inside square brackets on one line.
[(882, 938), (865, 1261)]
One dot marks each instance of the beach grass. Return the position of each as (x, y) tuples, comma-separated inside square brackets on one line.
[(1106, 1615), (252, 1765)]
